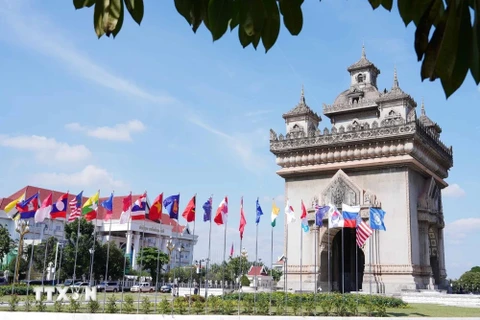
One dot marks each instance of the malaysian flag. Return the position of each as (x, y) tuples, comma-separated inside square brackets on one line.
[(75, 208), (363, 231)]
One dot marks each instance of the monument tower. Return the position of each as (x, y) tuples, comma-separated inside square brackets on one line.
[(378, 153)]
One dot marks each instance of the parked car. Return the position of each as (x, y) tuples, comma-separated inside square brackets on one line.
[(166, 288), (110, 286), (78, 285), (142, 287)]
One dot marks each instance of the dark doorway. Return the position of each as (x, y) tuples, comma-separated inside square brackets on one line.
[(353, 262)]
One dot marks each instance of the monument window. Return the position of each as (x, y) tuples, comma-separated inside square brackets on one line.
[(360, 78)]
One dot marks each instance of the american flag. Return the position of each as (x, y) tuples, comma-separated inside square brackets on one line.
[(75, 208), (363, 231)]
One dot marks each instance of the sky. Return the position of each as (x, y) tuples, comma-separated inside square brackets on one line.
[(162, 109)]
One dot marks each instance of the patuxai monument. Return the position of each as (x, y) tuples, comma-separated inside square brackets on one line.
[(377, 151)]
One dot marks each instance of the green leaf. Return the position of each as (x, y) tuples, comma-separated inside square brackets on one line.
[(199, 13), (235, 21), (98, 14), (431, 54), (258, 15), (256, 39), (184, 7), (475, 55), (136, 9), (112, 14), (462, 55), (220, 13), (387, 4), (120, 20), (292, 15), (271, 27), (405, 8), (245, 39), (424, 26), (79, 4)]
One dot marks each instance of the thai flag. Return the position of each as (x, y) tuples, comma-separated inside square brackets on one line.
[(139, 207)]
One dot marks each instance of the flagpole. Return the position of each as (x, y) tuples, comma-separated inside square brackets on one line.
[(301, 260), (30, 265), (370, 262), (58, 271), (240, 276), (141, 258), (191, 269), (208, 259), (271, 270), (106, 265), (317, 230), (224, 257), (328, 253), (125, 258), (343, 265), (76, 249), (158, 272), (45, 256), (356, 267), (286, 266), (255, 275), (93, 251)]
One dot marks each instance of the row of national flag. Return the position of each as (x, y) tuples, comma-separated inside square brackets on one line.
[(349, 218)]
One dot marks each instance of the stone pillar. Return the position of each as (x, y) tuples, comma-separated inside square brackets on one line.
[(129, 242), (441, 256), (136, 249)]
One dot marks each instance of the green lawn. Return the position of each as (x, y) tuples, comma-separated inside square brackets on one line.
[(433, 310)]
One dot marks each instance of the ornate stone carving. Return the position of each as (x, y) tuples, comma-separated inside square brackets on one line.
[(280, 137), (370, 199), (341, 190), (341, 129), (325, 131), (392, 119), (361, 104), (334, 130), (314, 201), (273, 135), (374, 124)]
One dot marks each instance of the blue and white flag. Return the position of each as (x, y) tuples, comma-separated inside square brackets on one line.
[(376, 219), (259, 212)]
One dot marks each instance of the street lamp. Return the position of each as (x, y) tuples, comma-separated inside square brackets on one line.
[(22, 228), (92, 251)]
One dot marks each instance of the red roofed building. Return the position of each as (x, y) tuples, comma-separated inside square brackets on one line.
[(259, 278), (129, 236)]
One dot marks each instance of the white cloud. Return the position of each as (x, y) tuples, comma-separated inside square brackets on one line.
[(453, 191), (46, 149), (90, 177), (46, 38), (245, 146), (119, 132), (458, 230)]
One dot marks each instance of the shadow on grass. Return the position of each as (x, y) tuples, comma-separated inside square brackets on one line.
[(402, 314)]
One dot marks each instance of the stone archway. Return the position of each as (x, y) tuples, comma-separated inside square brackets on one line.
[(434, 254)]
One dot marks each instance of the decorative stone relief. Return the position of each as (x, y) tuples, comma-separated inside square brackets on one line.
[(280, 137), (412, 115), (370, 199), (273, 135), (334, 130), (341, 190), (375, 124), (341, 129), (325, 131), (314, 201), (392, 119)]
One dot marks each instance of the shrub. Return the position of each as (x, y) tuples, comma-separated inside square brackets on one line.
[(111, 306), (263, 305), (180, 305), (58, 306), (295, 303), (164, 306), (40, 304), (146, 305), (369, 307), (213, 304), (310, 306), (352, 305), (196, 297), (248, 304), (28, 304), (19, 289), (13, 302), (326, 305), (73, 305), (93, 306), (128, 304), (198, 306), (228, 307)]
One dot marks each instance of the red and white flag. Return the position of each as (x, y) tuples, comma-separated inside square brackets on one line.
[(222, 212), (44, 210), (363, 232), (126, 209)]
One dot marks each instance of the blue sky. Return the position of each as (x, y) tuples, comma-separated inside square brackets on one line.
[(162, 109)]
